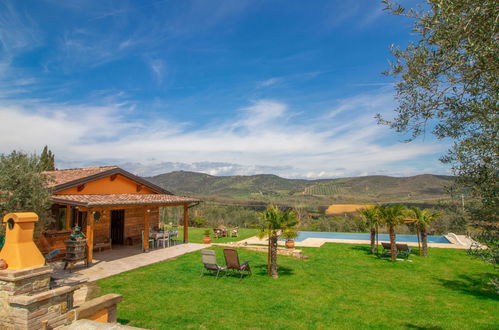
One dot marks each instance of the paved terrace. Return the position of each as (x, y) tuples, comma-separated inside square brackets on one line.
[(111, 262)]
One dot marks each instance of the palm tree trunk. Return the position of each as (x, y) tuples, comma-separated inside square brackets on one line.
[(373, 238), (424, 236), (273, 257), (418, 233), (377, 239), (393, 240)]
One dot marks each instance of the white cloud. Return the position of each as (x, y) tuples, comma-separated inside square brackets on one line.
[(158, 68), (261, 138), (270, 82)]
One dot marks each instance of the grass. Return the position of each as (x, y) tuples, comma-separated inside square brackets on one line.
[(196, 235), (339, 286)]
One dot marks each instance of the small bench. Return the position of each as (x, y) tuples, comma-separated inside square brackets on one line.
[(403, 250), (107, 243)]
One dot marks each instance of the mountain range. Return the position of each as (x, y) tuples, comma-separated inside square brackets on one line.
[(271, 188)]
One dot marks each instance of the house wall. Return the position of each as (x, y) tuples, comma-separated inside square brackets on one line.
[(134, 224), (108, 185), (102, 228), (134, 221)]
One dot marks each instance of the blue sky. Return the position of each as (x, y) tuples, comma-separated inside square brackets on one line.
[(222, 87)]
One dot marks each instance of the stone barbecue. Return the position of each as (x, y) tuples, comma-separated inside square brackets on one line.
[(27, 300)]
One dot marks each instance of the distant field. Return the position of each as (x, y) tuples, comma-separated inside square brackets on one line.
[(326, 189), (344, 208)]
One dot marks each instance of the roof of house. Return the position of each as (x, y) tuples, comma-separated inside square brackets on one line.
[(122, 199), (64, 179), (64, 176)]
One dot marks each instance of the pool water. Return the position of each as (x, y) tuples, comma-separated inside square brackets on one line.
[(302, 235)]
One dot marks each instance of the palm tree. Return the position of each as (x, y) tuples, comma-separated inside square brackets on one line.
[(423, 218), (392, 216), (371, 216), (274, 223)]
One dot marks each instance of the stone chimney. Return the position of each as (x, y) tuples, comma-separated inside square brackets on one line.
[(26, 300)]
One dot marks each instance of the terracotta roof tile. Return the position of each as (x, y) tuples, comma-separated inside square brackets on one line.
[(63, 176), (121, 199)]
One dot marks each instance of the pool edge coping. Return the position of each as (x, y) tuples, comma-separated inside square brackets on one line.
[(318, 242)]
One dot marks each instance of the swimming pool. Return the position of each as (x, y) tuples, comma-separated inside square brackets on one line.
[(302, 235)]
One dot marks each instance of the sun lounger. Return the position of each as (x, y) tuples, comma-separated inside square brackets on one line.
[(233, 264), (209, 260)]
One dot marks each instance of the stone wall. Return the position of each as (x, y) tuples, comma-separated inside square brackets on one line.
[(26, 299), (27, 302)]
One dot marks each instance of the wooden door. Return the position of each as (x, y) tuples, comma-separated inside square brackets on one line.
[(118, 226)]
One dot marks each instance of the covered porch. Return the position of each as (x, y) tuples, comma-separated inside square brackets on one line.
[(122, 220)]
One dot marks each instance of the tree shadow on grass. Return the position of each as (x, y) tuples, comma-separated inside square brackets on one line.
[(261, 270), (414, 326), (123, 321), (477, 285), (365, 249)]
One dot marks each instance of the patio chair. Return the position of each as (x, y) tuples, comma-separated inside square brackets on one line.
[(209, 260), (233, 264), (403, 250), (218, 232), (234, 232), (150, 240), (173, 236), (163, 239)]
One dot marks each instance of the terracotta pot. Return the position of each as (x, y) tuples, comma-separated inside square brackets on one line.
[(207, 240), (290, 244), (3, 264)]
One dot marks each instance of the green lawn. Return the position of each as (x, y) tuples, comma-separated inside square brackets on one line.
[(340, 286), (196, 235)]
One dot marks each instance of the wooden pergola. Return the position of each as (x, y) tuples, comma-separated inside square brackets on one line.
[(93, 204)]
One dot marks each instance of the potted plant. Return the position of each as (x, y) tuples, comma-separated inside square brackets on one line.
[(207, 238), (289, 234)]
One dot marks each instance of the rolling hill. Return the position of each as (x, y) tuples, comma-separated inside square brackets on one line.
[(266, 187)]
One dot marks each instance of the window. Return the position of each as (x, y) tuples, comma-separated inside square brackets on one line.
[(59, 216)]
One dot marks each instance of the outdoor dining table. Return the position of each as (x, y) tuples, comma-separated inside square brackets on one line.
[(164, 235)]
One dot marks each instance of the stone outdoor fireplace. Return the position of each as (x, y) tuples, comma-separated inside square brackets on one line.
[(26, 299)]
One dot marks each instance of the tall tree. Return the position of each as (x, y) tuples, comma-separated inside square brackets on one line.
[(392, 216), (23, 187), (423, 220), (274, 222), (371, 216), (447, 84), (47, 160)]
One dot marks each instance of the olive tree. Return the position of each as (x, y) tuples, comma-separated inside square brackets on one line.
[(23, 187), (447, 85)]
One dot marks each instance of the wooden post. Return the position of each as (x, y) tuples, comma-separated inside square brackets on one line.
[(90, 236), (146, 229), (186, 227), (268, 254), (68, 217)]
